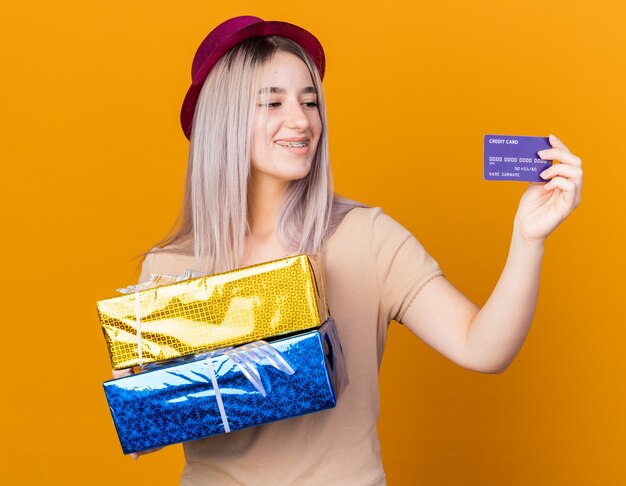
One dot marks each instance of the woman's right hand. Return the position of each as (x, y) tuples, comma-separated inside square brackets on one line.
[(122, 373), (137, 455)]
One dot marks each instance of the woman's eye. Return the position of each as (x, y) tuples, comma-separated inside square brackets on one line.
[(269, 104), (310, 104)]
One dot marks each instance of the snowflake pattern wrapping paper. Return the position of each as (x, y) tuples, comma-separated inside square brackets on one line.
[(215, 311), (179, 403)]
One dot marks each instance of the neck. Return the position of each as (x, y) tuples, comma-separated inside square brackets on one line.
[(264, 199)]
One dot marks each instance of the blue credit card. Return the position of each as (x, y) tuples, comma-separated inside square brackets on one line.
[(514, 158)]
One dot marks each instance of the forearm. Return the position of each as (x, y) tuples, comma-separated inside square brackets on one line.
[(498, 330), (488, 339)]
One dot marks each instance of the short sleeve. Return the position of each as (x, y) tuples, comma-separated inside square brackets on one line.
[(402, 265)]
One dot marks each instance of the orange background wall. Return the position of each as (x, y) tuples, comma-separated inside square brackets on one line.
[(92, 167)]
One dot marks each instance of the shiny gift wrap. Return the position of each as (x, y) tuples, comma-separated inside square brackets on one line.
[(179, 403), (213, 312)]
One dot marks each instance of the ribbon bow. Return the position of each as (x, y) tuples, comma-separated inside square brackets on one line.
[(245, 358), (155, 280)]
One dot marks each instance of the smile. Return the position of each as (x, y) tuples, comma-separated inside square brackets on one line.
[(303, 143)]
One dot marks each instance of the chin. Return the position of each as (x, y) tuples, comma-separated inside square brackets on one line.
[(290, 174), (286, 171), (295, 176)]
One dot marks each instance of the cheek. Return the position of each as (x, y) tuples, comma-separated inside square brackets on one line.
[(265, 130), (316, 125), (259, 146)]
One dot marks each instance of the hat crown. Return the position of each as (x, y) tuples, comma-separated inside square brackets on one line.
[(217, 36), (227, 35)]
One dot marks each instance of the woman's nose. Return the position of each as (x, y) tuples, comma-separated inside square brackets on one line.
[(297, 117)]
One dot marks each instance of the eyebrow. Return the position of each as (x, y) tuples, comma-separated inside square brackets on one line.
[(272, 89)]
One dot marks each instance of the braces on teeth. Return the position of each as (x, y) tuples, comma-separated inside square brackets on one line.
[(293, 144)]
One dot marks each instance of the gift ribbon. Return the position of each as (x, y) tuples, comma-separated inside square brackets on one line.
[(138, 323), (218, 397), (155, 280), (245, 358)]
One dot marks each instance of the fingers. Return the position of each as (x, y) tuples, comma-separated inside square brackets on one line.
[(564, 184), (560, 155), (568, 171), (122, 373), (556, 142), (567, 175), (570, 191), (137, 455)]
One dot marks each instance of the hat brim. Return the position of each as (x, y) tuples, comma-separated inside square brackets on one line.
[(292, 32)]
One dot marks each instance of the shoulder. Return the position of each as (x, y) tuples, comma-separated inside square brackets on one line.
[(169, 260), (366, 220), (360, 216), (366, 227), (374, 231)]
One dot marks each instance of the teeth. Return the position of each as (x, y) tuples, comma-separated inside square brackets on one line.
[(304, 143)]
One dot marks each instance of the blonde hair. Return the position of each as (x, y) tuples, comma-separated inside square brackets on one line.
[(213, 222)]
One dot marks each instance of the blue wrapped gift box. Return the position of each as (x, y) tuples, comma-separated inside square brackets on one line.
[(300, 374)]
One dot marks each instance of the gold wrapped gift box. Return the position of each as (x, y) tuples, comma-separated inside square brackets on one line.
[(214, 311)]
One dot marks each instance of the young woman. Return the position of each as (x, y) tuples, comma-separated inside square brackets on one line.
[(259, 188)]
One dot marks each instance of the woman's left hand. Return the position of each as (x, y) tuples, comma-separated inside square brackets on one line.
[(545, 205)]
